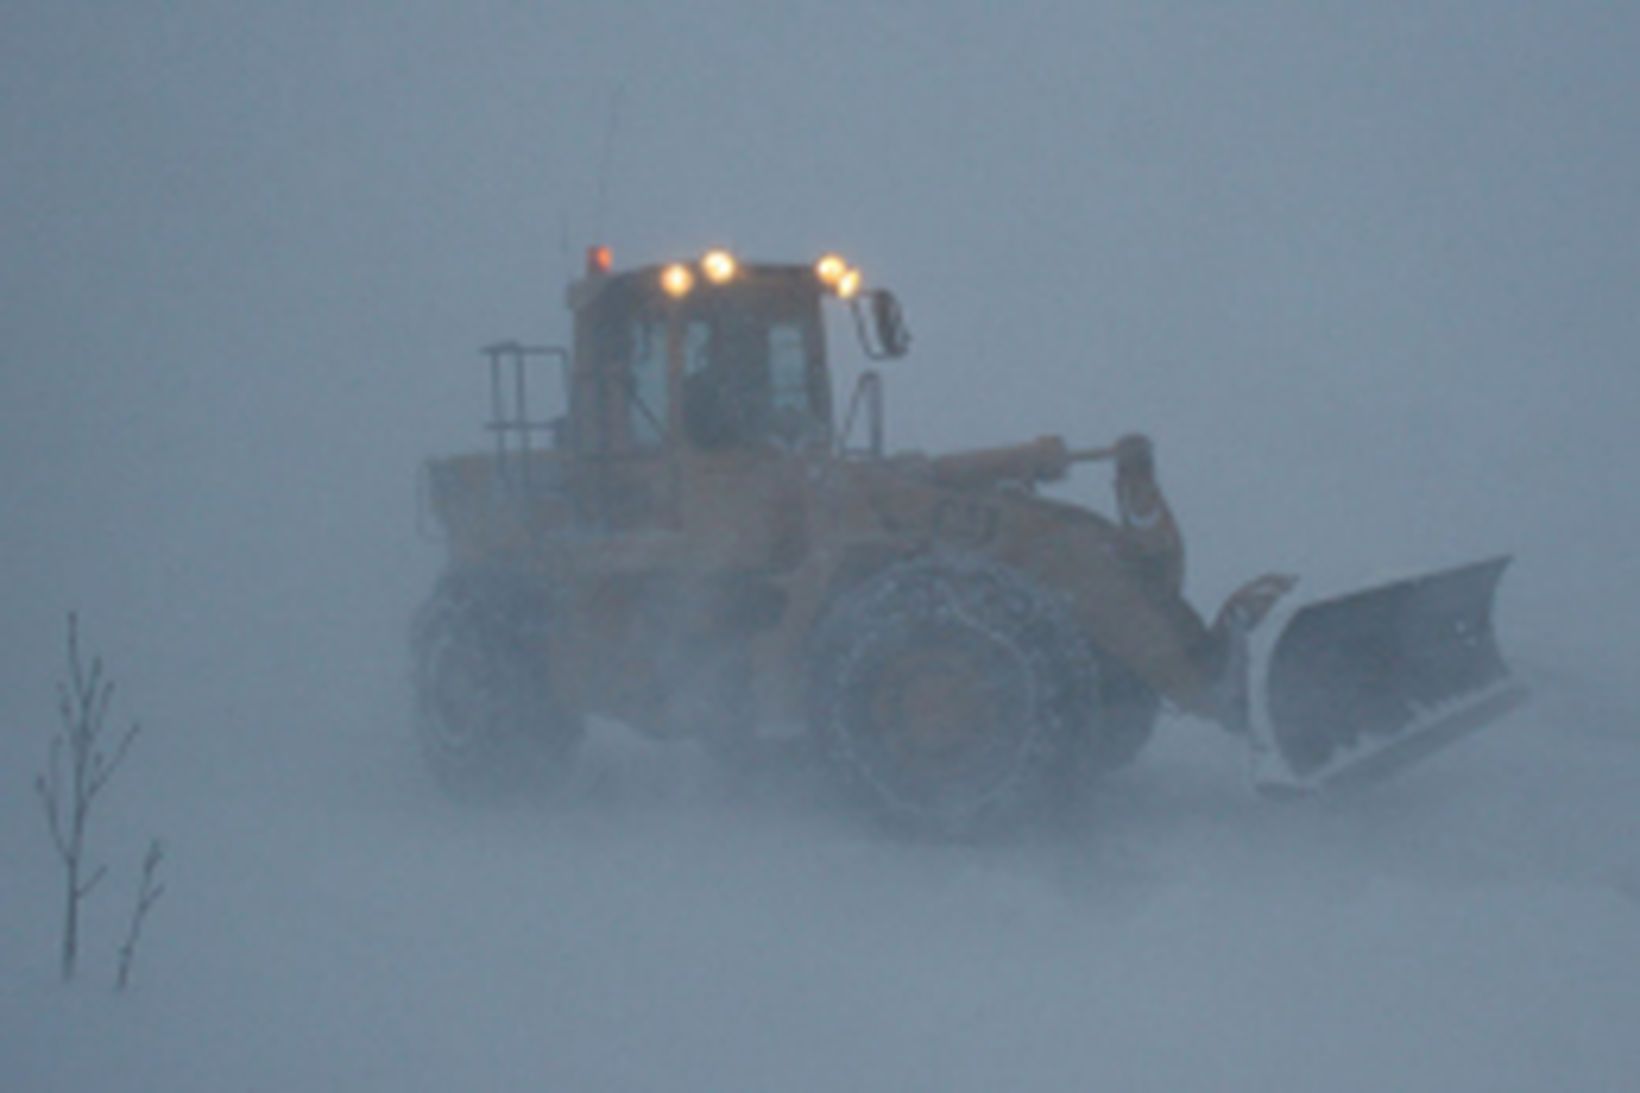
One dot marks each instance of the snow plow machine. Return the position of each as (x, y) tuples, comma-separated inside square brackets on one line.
[(675, 527)]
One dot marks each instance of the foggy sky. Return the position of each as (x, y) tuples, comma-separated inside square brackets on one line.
[(1348, 266)]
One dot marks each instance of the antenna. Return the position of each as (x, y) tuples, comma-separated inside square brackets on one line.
[(564, 253), (606, 167)]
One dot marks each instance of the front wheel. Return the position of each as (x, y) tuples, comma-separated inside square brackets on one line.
[(950, 692), (486, 716)]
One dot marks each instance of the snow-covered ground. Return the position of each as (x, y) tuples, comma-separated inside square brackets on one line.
[(1366, 275), (334, 923)]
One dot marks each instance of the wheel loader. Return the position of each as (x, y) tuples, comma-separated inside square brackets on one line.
[(678, 526)]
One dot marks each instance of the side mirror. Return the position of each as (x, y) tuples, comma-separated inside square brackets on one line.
[(886, 336), (889, 320)]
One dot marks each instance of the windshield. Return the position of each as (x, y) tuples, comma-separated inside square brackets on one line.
[(745, 364), (748, 377)]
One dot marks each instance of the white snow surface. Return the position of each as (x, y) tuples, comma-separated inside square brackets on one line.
[(1366, 273), (332, 922)]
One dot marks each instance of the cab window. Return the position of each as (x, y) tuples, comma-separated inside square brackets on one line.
[(646, 393), (747, 379)]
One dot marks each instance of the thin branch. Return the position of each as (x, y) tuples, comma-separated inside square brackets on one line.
[(148, 894), (85, 889), (150, 865), (99, 701), (104, 770), (48, 799)]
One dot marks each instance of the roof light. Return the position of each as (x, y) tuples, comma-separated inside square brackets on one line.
[(830, 269), (600, 259), (848, 284), (718, 265), (677, 280)]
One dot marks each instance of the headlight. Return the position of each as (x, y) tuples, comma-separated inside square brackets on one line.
[(677, 280), (848, 284), (718, 265), (830, 270)]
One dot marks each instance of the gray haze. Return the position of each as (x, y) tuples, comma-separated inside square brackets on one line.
[(1366, 272)]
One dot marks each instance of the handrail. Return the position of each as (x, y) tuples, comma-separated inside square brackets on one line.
[(510, 418)]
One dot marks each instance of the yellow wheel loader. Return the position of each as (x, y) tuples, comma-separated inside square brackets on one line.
[(677, 527)]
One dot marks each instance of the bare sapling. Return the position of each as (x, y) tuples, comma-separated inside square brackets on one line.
[(148, 892), (79, 768)]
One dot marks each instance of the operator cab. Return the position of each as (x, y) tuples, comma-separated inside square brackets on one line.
[(710, 356), (665, 355)]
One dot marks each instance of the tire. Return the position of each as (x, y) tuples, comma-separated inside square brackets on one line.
[(950, 692), (486, 718)]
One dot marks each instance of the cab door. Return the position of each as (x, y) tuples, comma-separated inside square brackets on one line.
[(748, 423), (625, 426)]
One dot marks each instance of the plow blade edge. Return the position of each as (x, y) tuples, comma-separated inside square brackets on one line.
[(1362, 686)]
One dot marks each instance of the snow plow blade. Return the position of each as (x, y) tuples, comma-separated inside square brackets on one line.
[(1361, 687)]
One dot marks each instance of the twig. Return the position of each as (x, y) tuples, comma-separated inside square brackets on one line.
[(148, 893)]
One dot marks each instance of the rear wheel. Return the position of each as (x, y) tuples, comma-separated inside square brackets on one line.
[(486, 717), (950, 692)]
